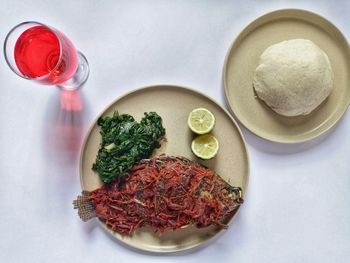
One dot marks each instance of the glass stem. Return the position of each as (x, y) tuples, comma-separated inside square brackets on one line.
[(80, 76)]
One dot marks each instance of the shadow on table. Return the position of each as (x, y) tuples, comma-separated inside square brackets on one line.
[(281, 148), (64, 130), (63, 134)]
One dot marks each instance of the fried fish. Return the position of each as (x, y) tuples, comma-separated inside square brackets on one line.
[(163, 193)]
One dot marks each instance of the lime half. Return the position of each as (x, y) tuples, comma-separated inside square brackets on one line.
[(201, 121), (205, 146)]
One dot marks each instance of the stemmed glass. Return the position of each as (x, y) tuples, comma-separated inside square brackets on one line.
[(35, 51)]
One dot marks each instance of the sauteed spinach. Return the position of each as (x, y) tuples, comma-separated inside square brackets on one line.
[(125, 141)]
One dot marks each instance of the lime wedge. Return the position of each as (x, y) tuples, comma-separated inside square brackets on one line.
[(205, 146), (201, 121)]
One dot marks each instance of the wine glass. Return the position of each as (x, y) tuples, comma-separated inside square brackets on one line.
[(41, 53)]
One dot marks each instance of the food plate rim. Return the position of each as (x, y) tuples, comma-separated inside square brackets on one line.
[(160, 86), (236, 40)]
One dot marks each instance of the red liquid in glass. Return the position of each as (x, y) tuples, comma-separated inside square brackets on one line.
[(37, 55)]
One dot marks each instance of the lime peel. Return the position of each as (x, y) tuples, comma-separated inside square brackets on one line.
[(205, 146), (201, 121)]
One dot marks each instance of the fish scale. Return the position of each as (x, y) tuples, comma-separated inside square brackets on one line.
[(164, 193)]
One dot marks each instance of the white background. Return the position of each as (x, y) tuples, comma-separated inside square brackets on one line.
[(298, 204)]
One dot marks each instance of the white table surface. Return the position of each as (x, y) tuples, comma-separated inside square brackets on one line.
[(297, 208)]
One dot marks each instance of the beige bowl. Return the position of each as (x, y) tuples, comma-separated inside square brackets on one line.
[(173, 104), (243, 58)]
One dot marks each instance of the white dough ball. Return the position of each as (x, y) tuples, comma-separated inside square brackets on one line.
[(293, 77)]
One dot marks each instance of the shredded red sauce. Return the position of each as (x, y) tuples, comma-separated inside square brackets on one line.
[(165, 193)]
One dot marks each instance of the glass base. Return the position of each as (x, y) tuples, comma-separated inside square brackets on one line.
[(80, 76)]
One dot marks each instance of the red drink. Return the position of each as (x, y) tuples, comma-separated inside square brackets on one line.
[(46, 55), (43, 54)]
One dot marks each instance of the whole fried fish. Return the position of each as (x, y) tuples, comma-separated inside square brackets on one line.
[(163, 193)]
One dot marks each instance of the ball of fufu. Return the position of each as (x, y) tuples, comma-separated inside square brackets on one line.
[(293, 77)]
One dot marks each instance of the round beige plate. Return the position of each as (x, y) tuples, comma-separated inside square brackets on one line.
[(173, 104), (243, 57)]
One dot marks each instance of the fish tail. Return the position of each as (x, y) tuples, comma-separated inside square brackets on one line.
[(86, 209)]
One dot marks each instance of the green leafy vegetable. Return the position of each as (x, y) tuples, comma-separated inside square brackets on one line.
[(125, 141)]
